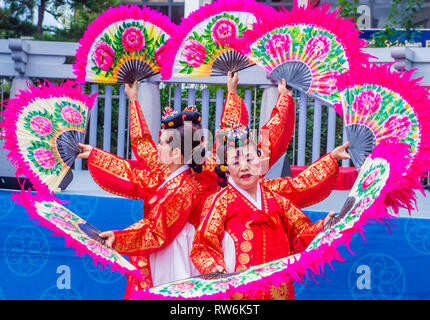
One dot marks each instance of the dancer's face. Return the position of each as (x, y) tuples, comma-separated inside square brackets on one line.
[(244, 166), (166, 154)]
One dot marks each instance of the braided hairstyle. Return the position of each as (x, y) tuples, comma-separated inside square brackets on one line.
[(187, 124), (231, 137)]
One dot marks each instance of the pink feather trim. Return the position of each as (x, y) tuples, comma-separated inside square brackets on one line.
[(109, 17), (172, 46), (28, 200), (418, 97), (15, 106), (319, 16)]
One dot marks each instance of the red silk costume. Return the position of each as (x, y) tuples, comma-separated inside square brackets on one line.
[(180, 200), (277, 230)]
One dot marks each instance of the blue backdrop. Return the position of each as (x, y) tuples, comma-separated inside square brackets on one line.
[(36, 265)]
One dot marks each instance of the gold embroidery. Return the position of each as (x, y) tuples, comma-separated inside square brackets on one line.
[(232, 110), (243, 258), (248, 234), (241, 267), (280, 293), (142, 262), (246, 246)]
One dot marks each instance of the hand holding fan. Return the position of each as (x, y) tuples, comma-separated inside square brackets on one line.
[(384, 107), (123, 44), (308, 46), (43, 127), (202, 45), (77, 232), (376, 178)]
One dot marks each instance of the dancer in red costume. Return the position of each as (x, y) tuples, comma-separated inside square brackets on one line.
[(255, 220), (173, 194)]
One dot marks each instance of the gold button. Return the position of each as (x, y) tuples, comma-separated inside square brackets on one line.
[(152, 200), (246, 246), (248, 235), (241, 267), (170, 123), (142, 262), (243, 258)]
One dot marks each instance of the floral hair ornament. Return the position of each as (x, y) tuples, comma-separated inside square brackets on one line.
[(173, 119), (123, 45)]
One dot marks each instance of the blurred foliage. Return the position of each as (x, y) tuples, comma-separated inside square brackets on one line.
[(73, 15)]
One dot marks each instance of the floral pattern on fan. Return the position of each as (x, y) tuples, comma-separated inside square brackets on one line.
[(124, 41), (396, 122), (44, 159), (365, 191), (52, 214), (318, 52), (41, 124), (70, 114), (199, 52), (123, 45)]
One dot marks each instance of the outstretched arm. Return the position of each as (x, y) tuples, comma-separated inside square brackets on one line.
[(164, 221), (126, 178), (313, 184)]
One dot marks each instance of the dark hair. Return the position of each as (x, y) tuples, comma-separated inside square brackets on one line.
[(195, 156)]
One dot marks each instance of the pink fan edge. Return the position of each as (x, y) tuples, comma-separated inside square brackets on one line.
[(115, 14), (314, 260), (174, 43), (15, 106), (27, 200)]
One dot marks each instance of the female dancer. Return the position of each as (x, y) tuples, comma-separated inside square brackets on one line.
[(163, 232), (255, 220)]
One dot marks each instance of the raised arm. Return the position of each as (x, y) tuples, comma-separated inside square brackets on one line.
[(144, 148), (276, 134)]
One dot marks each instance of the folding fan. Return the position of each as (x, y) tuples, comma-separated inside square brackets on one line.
[(123, 44), (380, 106), (202, 45), (308, 46), (43, 127), (366, 202), (77, 232)]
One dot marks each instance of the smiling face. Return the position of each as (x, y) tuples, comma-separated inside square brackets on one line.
[(244, 166)]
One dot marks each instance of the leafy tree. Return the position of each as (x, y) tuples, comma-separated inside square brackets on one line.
[(11, 27)]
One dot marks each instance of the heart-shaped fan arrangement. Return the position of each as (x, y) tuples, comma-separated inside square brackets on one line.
[(317, 51)]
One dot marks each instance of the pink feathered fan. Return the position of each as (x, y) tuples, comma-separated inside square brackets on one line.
[(123, 44)]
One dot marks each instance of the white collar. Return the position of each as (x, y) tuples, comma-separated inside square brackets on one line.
[(257, 203), (174, 174)]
